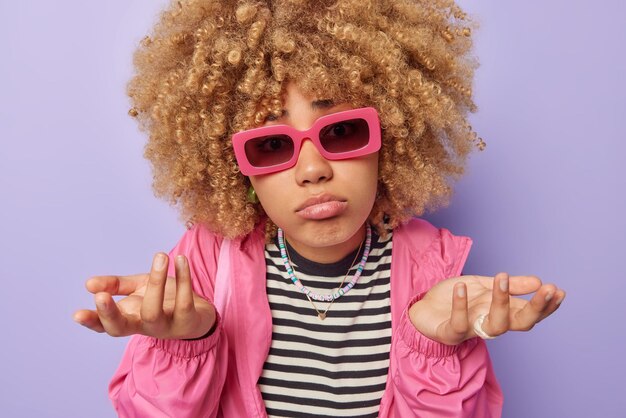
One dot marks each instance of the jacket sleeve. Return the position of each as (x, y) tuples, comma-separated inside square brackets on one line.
[(176, 378), (434, 379), (445, 381)]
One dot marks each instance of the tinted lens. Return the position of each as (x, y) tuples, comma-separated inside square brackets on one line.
[(267, 151), (347, 135)]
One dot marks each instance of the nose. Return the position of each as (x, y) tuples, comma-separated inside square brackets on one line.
[(312, 167)]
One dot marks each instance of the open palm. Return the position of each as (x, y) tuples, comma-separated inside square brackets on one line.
[(154, 304), (448, 312)]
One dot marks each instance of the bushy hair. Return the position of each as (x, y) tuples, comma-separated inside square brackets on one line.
[(214, 67)]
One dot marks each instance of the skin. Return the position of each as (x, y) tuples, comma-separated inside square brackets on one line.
[(448, 311), (353, 180), (166, 307), (155, 305)]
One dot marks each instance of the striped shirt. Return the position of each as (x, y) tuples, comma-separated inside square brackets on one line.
[(336, 367)]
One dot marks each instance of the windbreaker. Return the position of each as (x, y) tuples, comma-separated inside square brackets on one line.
[(217, 376)]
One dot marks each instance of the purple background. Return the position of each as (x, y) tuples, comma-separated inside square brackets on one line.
[(546, 197)]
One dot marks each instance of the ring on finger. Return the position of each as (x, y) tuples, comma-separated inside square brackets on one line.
[(478, 327)]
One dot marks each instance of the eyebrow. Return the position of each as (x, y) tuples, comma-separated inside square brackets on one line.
[(315, 105), (322, 104)]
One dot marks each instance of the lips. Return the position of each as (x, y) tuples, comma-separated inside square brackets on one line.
[(322, 207)]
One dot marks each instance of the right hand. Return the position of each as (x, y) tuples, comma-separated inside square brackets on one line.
[(155, 305)]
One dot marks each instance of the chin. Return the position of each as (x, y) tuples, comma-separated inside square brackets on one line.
[(330, 232)]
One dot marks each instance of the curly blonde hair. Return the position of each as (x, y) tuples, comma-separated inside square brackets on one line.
[(214, 67)]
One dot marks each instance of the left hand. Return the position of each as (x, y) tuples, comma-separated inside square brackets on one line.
[(448, 311)]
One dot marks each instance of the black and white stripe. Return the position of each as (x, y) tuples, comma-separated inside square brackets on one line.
[(336, 367)]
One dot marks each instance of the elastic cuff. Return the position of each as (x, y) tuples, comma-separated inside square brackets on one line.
[(191, 348), (419, 342), (208, 334)]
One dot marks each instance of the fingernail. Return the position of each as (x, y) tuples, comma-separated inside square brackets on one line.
[(504, 284), (101, 304), (549, 296), (460, 291), (180, 261), (159, 262)]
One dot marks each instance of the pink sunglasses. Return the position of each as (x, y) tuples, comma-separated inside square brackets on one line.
[(338, 136)]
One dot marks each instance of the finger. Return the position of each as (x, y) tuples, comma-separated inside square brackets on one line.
[(184, 293), (523, 285), (458, 318), (110, 316), (560, 297), (152, 305), (497, 321), (89, 319), (540, 305), (518, 285), (553, 303), (116, 285)]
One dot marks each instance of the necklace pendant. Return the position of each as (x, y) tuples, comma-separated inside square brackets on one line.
[(321, 315)]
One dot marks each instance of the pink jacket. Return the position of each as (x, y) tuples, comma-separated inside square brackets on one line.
[(217, 376)]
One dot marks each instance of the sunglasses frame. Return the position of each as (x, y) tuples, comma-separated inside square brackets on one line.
[(368, 114)]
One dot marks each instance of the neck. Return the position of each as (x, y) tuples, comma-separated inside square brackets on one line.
[(328, 254)]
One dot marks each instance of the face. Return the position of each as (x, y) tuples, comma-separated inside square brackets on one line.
[(320, 204)]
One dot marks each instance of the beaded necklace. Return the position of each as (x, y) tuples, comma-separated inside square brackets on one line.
[(322, 315), (341, 290)]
